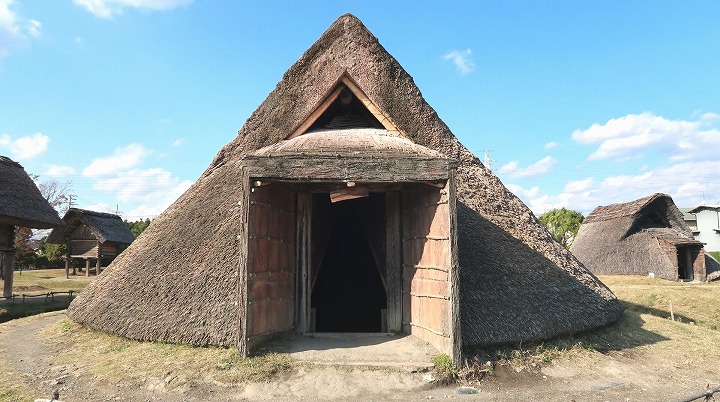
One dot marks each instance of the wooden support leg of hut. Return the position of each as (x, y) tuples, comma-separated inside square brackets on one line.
[(8, 268), (67, 268), (97, 267), (87, 267)]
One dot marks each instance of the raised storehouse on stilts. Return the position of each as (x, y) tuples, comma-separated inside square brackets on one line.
[(346, 205), (647, 236), (92, 236), (21, 205)]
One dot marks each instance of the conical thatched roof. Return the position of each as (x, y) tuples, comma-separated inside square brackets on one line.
[(105, 227), (178, 282), (21, 203), (623, 238)]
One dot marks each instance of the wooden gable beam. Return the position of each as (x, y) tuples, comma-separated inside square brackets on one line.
[(346, 82)]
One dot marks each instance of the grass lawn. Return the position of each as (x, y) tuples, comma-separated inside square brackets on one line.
[(36, 282)]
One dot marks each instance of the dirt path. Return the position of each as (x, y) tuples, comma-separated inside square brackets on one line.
[(644, 373)]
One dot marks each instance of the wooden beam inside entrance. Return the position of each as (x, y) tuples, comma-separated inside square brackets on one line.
[(393, 261)]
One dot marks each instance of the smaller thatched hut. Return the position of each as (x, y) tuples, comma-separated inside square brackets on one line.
[(647, 236), (21, 204), (91, 235)]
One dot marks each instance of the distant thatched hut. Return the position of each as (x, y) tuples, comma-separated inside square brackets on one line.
[(645, 236), (21, 204), (346, 204), (91, 235)]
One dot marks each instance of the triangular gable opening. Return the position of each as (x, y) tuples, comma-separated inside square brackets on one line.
[(346, 106)]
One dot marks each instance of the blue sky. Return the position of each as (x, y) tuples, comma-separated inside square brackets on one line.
[(579, 103)]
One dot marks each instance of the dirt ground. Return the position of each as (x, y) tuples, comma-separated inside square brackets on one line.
[(669, 367)]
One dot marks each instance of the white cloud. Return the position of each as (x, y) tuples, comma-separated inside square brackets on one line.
[(688, 183), (462, 61), (514, 171), (635, 134), (178, 142), (579, 185), (33, 28), (123, 158), (12, 36), (153, 190), (551, 145), (108, 8), (25, 147), (60, 171)]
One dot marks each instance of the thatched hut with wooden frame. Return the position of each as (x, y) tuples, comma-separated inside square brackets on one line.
[(21, 204), (346, 204), (91, 235), (641, 237)]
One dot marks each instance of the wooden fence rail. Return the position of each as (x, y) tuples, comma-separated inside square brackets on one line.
[(48, 296)]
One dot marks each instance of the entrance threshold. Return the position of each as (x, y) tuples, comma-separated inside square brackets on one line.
[(377, 349), (347, 335)]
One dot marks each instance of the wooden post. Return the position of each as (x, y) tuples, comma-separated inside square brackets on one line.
[(243, 245), (304, 235), (87, 267), (97, 267), (393, 261), (672, 313), (456, 334), (7, 246), (67, 267), (8, 268)]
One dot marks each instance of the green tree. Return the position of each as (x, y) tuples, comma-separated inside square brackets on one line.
[(563, 224), (137, 227)]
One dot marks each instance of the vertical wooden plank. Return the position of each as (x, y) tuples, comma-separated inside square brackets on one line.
[(243, 259), (87, 267), (97, 267), (455, 324), (67, 267), (393, 261), (304, 252)]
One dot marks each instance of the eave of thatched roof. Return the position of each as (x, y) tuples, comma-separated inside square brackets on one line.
[(105, 227), (357, 154), (516, 283), (21, 203)]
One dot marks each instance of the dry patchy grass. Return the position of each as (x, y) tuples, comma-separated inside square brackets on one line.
[(645, 333), (117, 359), (693, 302)]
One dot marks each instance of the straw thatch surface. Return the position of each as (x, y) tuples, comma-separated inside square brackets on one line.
[(21, 203), (623, 238), (349, 143), (105, 227), (178, 281)]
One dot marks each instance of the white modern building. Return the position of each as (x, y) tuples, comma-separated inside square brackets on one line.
[(708, 226)]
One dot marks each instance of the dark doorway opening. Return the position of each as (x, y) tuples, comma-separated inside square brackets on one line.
[(685, 265), (348, 293)]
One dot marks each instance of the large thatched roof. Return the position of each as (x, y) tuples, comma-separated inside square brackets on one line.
[(623, 238), (105, 227), (178, 282), (21, 203)]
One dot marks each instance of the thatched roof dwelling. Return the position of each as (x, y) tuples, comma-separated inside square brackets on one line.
[(104, 227), (92, 235), (21, 204), (346, 204), (641, 237)]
